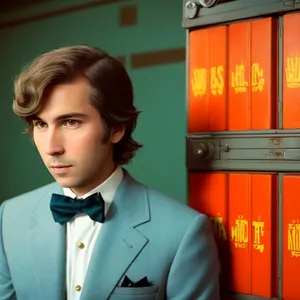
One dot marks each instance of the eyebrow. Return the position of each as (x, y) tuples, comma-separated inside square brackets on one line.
[(65, 117)]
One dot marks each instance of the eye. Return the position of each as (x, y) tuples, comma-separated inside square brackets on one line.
[(71, 123), (39, 124)]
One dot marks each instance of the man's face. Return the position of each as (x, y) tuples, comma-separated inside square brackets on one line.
[(68, 134)]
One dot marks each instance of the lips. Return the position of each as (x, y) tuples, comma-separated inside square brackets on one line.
[(60, 169), (59, 166)]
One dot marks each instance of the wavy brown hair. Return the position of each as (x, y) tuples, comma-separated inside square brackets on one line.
[(111, 90)]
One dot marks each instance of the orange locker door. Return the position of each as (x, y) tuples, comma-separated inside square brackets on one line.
[(253, 228), (245, 228), (247, 73), (291, 237), (291, 71), (252, 51), (207, 80), (208, 194)]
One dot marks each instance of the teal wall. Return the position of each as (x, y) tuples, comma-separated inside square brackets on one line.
[(159, 90)]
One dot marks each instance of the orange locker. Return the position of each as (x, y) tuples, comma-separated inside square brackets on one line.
[(264, 216), (252, 93), (291, 71), (253, 225), (246, 76), (291, 237), (207, 80), (264, 41), (208, 195), (245, 227), (243, 207), (239, 219), (239, 66)]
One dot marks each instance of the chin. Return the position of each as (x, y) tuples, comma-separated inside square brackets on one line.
[(65, 182)]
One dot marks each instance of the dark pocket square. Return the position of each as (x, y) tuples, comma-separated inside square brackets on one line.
[(141, 283)]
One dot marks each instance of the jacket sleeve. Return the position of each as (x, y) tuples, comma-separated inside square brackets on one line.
[(6, 286), (195, 270)]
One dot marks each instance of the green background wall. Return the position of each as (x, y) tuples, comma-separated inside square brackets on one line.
[(159, 90)]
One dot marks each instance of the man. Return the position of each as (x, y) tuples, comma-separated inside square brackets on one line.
[(95, 233)]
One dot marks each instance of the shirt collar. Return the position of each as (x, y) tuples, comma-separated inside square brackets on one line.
[(107, 188)]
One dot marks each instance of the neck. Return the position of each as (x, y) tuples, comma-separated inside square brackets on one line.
[(80, 191)]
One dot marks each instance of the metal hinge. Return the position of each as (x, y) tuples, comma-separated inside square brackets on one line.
[(208, 3), (191, 7)]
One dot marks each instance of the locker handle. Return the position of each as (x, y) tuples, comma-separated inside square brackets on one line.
[(204, 150)]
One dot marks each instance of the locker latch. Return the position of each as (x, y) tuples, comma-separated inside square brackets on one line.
[(204, 150)]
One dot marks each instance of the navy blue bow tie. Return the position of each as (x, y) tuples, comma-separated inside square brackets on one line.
[(64, 208)]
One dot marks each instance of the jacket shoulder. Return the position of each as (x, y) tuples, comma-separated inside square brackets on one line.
[(29, 199), (172, 220), (171, 209)]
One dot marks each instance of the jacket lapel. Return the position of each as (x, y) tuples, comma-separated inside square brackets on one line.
[(48, 250), (119, 243)]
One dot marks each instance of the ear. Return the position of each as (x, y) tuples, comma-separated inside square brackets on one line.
[(118, 134)]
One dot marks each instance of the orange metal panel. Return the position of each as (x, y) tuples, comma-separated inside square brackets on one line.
[(252, 75), (291, 69), (252, 221), (264, 235), (218, 78), (245, 227), (291, 238), (208, 195), (240, 238), (198, 81), (263, 74), (199, 192), (239, 65), (207, 80)]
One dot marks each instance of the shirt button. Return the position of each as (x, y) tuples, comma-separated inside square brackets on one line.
[(78, 288), (81, 245)]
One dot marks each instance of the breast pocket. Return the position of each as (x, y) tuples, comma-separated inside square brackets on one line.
[(142, 293)]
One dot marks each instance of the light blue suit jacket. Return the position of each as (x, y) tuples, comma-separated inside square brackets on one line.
[(145, 234)]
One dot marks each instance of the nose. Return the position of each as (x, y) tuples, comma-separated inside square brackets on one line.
[(54, 143)]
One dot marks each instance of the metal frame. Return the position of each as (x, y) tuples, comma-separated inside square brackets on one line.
[(280, 233), (280, 74), (194, 15), (276, 151), (266, 151)]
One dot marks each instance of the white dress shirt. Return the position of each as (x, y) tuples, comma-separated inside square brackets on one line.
[(82, 233)]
